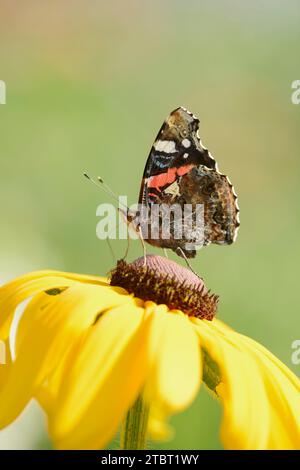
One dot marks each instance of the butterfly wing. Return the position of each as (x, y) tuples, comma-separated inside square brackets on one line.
[(176, 149), (180, 170)]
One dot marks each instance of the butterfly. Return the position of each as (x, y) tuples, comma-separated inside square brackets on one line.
[(179, 173)]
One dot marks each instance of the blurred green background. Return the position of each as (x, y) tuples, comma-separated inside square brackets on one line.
[(88, 86)]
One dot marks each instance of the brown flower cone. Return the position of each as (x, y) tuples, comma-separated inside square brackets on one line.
[(166, 282)]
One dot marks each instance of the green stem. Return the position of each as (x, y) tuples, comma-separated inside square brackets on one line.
[(134, 430)]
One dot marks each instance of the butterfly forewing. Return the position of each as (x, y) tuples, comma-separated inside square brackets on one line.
[(180, 171)]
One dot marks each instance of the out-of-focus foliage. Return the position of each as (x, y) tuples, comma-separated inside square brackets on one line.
[(88, 85)]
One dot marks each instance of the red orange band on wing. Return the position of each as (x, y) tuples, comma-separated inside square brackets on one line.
[(161, 180), (183, 170)]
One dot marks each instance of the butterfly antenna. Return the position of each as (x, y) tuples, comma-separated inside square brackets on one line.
[(100, 184)]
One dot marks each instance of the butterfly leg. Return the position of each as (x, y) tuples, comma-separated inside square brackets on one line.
[(111, 249), (143, 245), (110, 245), (182, 254), (128, 244)]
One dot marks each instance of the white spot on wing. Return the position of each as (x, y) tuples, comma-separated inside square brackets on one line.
[(173, 189), (228, 180), (186, 143), (201, 145), (167, 146), (188, 112), (235, 234)]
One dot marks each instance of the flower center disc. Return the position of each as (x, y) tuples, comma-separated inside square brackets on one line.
[(165, 282)]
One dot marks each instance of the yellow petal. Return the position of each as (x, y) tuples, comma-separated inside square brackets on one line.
[(47, 393), (283, 390), (158, 429), (5, 361), (247, 414), (175, 362), (46, 332), (16, 291), (96, 297), (104, 380)]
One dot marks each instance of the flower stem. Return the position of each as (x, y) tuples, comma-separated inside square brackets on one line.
[(134, 430)]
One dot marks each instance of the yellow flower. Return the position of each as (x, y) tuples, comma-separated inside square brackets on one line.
[(86, 350)]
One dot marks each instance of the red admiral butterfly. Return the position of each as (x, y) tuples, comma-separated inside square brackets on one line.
[(180, 170)]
